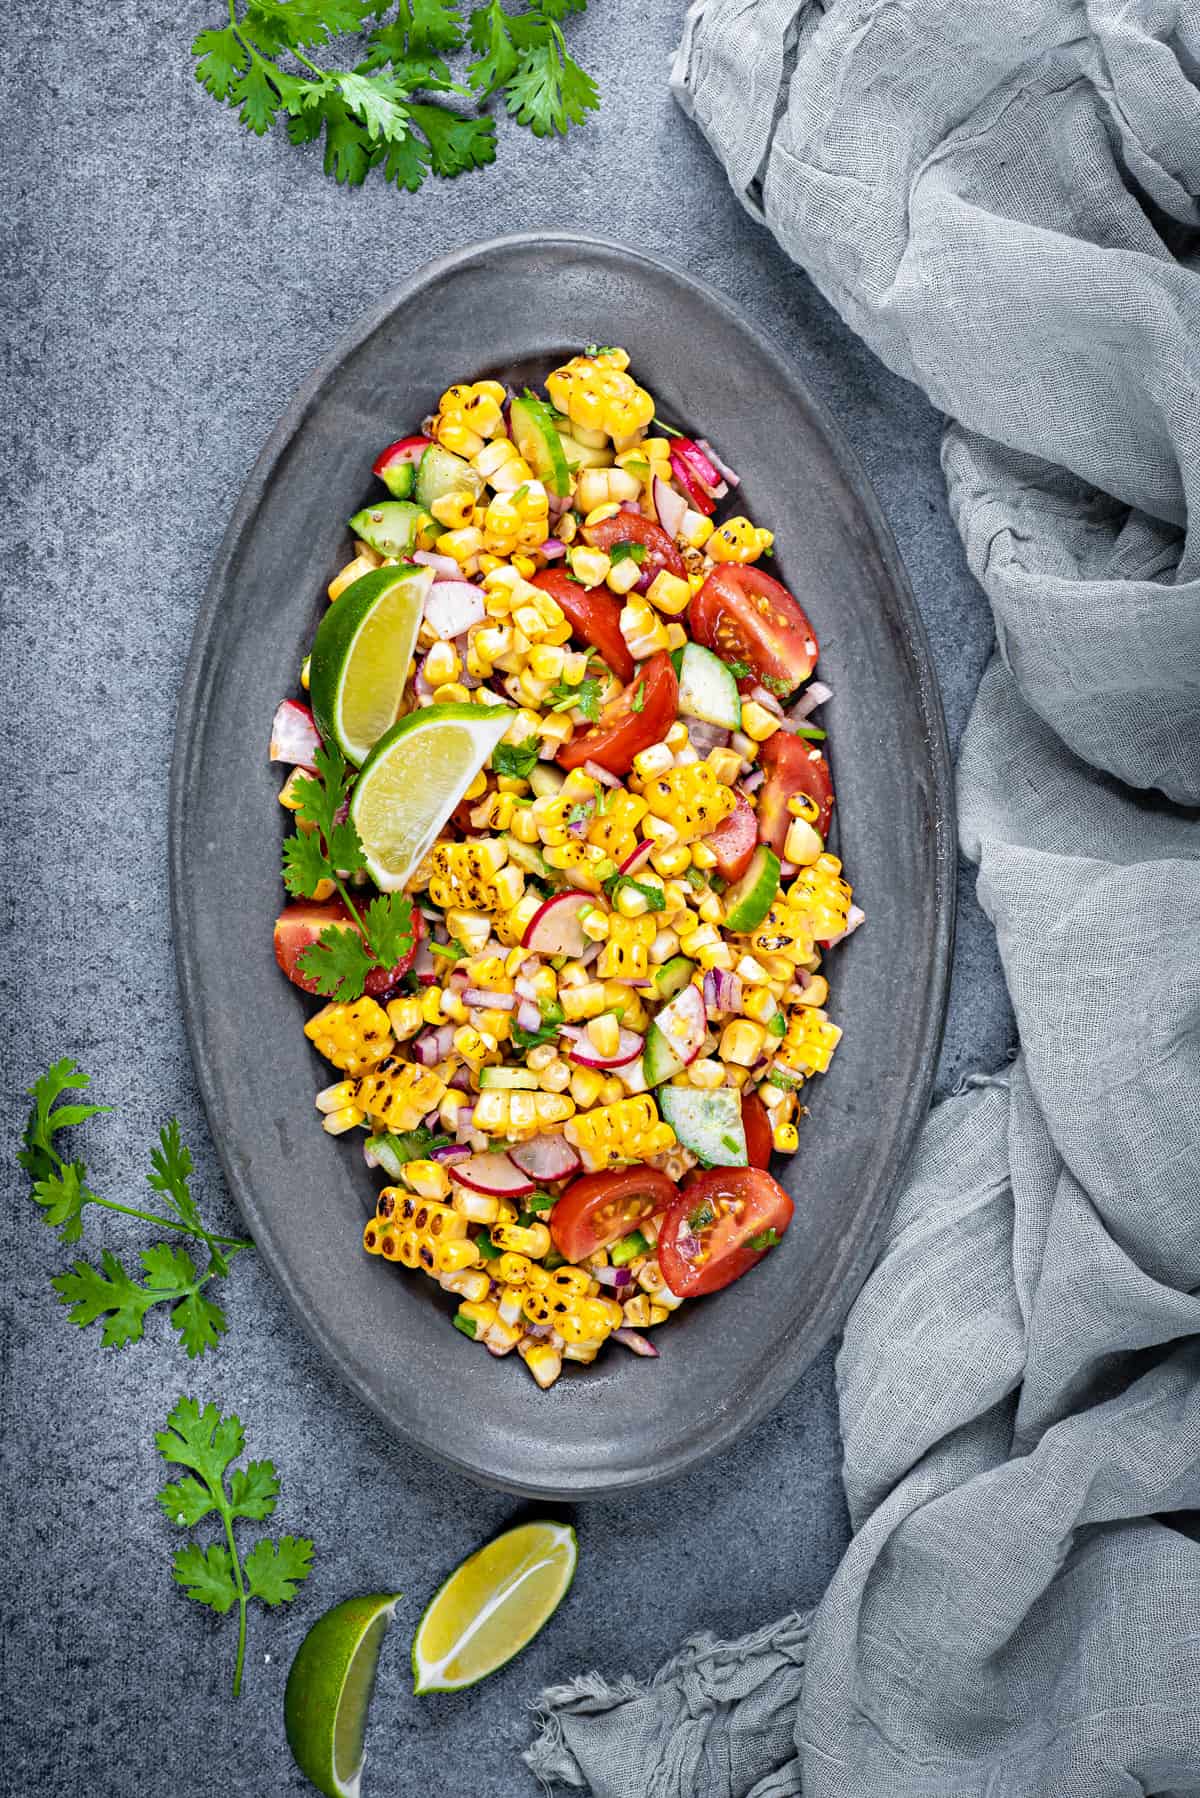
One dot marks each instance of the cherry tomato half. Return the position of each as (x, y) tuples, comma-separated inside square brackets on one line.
[(639, 716), (757, 1126), (298, 927), (593, 614), (734, 840), (631, 527), (745, 616), (601, 1208), (792, 764), (705, 1239)]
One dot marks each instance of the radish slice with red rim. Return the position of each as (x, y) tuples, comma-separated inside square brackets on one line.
[(493, 1174), (294, 735), (557, 929), (546, 1158)]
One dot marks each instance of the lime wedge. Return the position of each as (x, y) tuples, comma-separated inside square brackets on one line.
[(329, 1692), (413, 779), (492, 1605), (360, 657)]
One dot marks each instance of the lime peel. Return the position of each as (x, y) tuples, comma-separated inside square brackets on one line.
[(329, 1691), (361, 655)]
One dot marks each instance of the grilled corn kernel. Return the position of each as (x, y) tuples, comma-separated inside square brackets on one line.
[(737, 540), (589, 566), (353, 571), (803, 844), (669, 593), (442, 665), (757, 722)]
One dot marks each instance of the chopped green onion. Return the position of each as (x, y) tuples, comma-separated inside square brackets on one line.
[(628, 1248)]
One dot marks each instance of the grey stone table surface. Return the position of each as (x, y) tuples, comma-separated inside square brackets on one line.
[(167, 283)]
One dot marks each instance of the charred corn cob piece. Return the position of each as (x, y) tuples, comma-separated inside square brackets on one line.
[(397, 1094), (690, 798), (629, 1130), (353, 1037)]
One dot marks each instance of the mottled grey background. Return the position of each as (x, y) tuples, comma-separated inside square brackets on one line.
[(167, 283)]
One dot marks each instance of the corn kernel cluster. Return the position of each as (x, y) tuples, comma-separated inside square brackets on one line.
[(492, 1042)]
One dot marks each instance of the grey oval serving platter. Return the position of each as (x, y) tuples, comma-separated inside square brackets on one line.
[(511, 309)]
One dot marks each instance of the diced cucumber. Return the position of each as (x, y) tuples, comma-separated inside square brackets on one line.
[(673, 976), (439, 472), (527, 856), (507, 1080), (707, 1123), (707, 689), (659, 1060), (749, 899), (546, 779), (581, 455), (628, 1249), (390, 527), (532, 424), (398, 479)]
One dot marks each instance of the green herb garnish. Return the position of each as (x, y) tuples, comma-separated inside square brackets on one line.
[(585, 697), (778, 684), (171, 1276), (219, 1576), (449, 951), (465, 1324), (637, 702), (394, 1151), (370, 114), (654, 896), (516, 760), (701, 1217), (740, 670), (627, 552), (776, 1025), (812, 731), (766, 1239)]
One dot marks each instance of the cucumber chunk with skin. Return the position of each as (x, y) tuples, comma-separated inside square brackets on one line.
[(707, 1123), (749, 899), (673, 976), (534, 433), (707, 689), (659, 1060), (390, 527), (510, 1079), (439, 472)]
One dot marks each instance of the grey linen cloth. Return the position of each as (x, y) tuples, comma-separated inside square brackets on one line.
[(1002, 198)]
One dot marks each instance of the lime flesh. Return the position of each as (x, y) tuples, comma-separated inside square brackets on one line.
[(361, 654), (329, 1693), (493, 1605), (413, 779)]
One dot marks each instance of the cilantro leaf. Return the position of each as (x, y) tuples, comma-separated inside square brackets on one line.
[(337, 963), (305, 864), (221, 59), (766, 1239), (627, 552), (377, 101), (38, 1155), (455, 143), (638, 701), (406, 162), (63, 1197), (206, 1576), (740, 670), (170, 1172), (776, 1025), (549, 91), (496, 55), (219, 1577), (275, 1571), (257, 99), (778, 684), (516, 760), (108, 1292), (585, 697), (388, 921)]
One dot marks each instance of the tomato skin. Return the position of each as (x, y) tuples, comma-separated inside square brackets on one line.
[(764, 1206), (621, 732), (697, 498), (298, 927), (598, 1209), (757, 1126), (734, 840), (631, 527), (593, 614), (746, 616), (792, 764)]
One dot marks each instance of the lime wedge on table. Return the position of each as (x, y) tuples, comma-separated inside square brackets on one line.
[(360, 657), (329, 1692), (413, 779), (492, 1605)]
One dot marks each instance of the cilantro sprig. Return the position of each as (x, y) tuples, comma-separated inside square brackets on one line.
[(516, 760), (342, 958), (219, 1576), (562, 697), (653, 895), (390, 109), (110, 1291)]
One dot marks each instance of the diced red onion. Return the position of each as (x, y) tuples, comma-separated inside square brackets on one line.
[(451, 1151), (613, 1276), (634, 1340), (589, 955), (529, 1018), (578, 826), (541, 1331), (421, 686), (423, 966), (453, 607), (688, 1245), (645, 581), (445, 568), (787, 869), (753, 781), (483, 996), (552, 548), (722, 992), (767, 700), (704, 737), (631, 505), (524, 988), (815, 694), (670, 506), (369, 1155), (596, 772), (460, 1080), (722, 467)]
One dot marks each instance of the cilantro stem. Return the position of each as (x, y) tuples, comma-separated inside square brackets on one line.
[(348, 902), (239, 1582), (153, 1217)]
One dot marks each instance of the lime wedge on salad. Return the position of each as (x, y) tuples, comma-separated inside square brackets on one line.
[(329, 1693), (493, 1605), (413, 779), (360, 657)]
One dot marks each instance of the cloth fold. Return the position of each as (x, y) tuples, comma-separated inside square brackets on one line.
[(1003, 200)]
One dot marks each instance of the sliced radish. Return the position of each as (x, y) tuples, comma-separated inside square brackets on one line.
[(633, 1075), (546, 1158), (629, 1047), (638, 857), (492, 1174), (557, 929), (670, 506), (684, 1024), (294, 734), (452, 607), (445, 568)]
